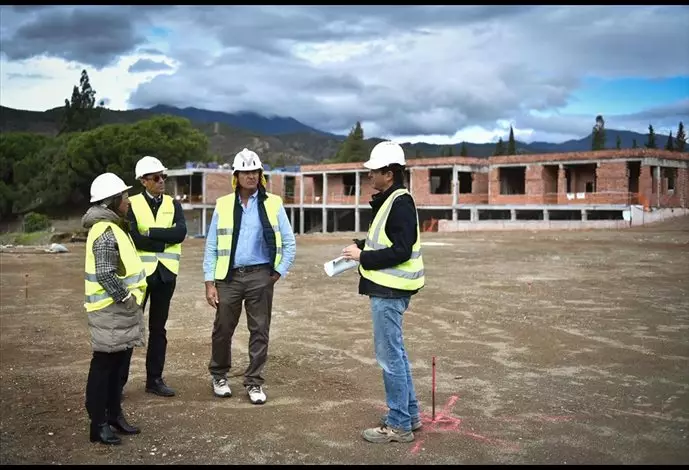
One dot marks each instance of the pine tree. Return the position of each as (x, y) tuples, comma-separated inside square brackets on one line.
[(681, 139), (598, 134), (499, 148), (353, 149), (651, 144), (669, 145), (511, 144), (618, 144), (80, 112), (463, 150)]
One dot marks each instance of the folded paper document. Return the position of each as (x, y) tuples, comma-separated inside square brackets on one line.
[(339, 265)]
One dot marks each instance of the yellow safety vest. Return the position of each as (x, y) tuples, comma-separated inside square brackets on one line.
[(145, 220), (225, 207), (406, 276), (97, 298)]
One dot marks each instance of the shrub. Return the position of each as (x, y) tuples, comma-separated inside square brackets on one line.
[(34, 222)]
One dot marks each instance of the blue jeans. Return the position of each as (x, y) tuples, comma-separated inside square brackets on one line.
[(392, 358)]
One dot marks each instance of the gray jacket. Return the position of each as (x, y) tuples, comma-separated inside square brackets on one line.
[(118, 326)]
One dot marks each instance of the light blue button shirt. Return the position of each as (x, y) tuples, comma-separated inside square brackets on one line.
[(251, 246)]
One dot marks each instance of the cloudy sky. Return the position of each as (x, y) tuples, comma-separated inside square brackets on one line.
[(423, 73)]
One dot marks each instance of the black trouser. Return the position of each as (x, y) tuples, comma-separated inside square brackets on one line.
[(159, 294), (103, 391), (255, 289)]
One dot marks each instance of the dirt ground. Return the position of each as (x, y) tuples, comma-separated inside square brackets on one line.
[(551, 348)]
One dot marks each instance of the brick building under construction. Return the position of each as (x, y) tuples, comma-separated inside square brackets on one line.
[(602, 189)]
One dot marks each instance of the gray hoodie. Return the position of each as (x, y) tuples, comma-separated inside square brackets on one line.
[(118, 326)]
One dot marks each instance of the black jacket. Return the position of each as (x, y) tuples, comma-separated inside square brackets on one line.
[(401, 230), (159, 237), (268, 233)]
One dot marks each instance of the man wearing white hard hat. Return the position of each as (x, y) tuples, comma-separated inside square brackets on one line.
[(115, 285), (158, 228), (391, 269), (249, 247)]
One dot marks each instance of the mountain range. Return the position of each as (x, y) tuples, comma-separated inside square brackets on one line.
[(285, 140)]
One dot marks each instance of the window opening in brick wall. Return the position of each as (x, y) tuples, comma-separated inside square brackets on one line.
[(440, 180), (349, 184), (634, 172), (512, 180), (289, 188), (670, 174), (466, 181)]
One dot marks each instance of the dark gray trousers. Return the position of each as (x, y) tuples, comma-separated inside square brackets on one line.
[(255, 289)]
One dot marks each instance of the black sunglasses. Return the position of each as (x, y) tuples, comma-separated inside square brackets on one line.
[(156, 178)]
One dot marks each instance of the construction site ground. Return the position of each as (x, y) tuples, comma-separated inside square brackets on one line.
[(551, 347)]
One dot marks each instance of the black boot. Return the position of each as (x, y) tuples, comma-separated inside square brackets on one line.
[(103, 434), (122, 426), (158, 387)]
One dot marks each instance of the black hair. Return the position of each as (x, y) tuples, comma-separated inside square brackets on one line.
[(397, 173)]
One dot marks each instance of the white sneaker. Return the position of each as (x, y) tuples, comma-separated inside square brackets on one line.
[(221, 388), (256, 394)]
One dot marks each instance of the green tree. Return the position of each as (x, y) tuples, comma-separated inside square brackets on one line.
[(651, 144), (598, 134), (499, 148), (418, 153), (81, 112), (463, 150), (634, 145), (669, 145), (353, 149), (681, 138), (54, 174), (618, 142), (511, 144)]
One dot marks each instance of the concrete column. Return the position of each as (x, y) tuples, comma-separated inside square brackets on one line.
[(357, 189), (658, 186), (513, 214), (335, 228), (473, 214), (203, 217), (455, 192), (455, 187), (325, 202), (203, 197), (291, 217), (546, 214), (301, 204), (584, 214)]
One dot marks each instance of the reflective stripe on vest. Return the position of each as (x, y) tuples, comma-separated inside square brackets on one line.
[(225, 207), (163, 219), (405, 276), (97, 298)]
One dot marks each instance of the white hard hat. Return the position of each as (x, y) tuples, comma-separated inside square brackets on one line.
[(107, 185), (383, 154), (246, 160), (148, 165)]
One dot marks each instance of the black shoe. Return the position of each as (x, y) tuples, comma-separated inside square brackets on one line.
[(121, 425), (159, 388), (103, 434)]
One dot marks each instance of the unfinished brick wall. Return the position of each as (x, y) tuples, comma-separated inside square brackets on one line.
[(683, 186), (421, 189), (276, 184), (612, 183), (535, 184), (217, 185)]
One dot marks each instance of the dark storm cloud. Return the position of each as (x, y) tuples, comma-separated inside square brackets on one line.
[(148, 65)]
